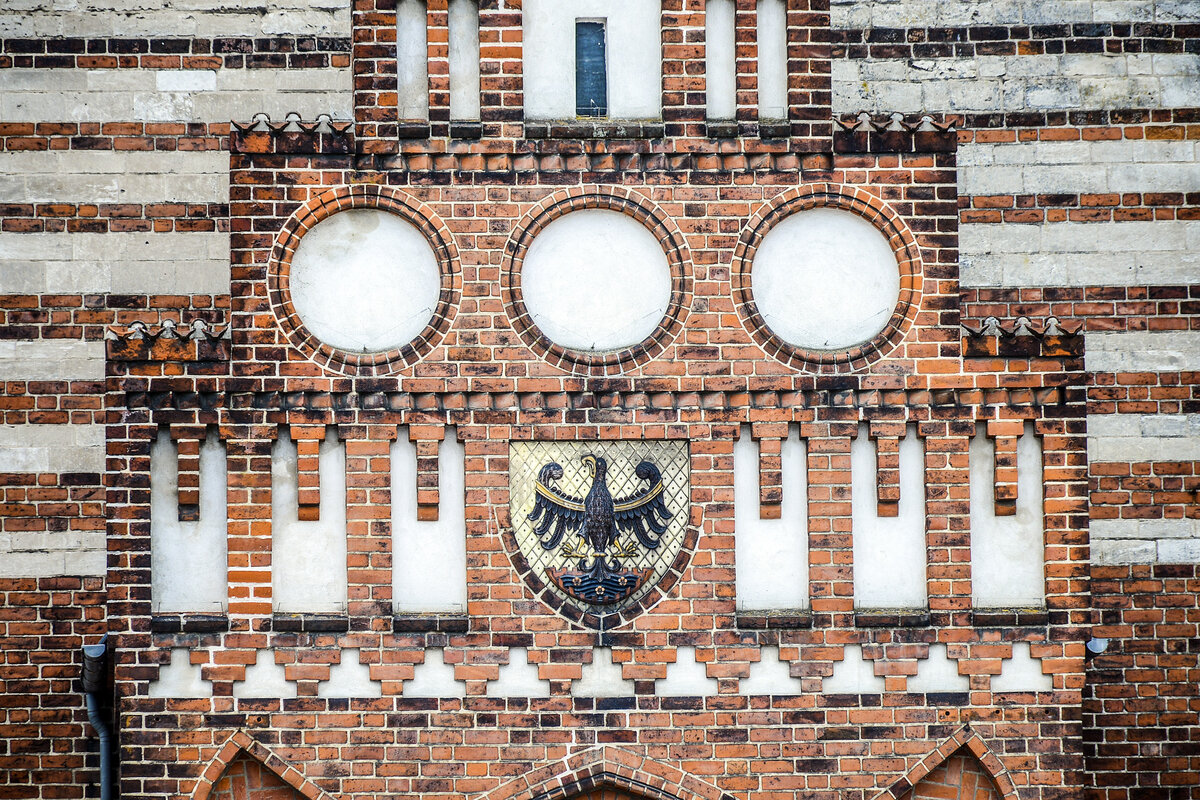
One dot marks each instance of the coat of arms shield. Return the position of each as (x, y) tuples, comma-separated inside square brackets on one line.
[(600, 527)]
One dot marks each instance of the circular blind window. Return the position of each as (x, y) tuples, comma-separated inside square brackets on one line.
[(596, 280), (825, 279), (364, 281)]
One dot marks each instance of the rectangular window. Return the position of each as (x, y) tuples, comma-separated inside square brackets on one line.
[(591, 77)]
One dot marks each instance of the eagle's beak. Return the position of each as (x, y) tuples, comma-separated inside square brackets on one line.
[(590, 460)]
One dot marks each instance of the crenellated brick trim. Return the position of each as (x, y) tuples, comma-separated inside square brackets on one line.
[(869, 207), (383, 198), (612, 198)]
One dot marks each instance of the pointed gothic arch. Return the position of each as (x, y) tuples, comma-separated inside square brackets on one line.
[(239, 744), (966, 741), (605, 767)]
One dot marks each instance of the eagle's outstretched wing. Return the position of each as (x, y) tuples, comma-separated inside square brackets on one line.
[(553, 508), (644, 513)]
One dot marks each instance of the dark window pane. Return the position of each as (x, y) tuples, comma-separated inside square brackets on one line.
[(591, 79)]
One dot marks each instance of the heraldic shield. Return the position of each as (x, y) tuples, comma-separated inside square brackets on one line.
[(599, 525)]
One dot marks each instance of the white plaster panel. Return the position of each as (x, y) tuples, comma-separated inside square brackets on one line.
[(1008, 567), (51, 359), (308, 558), (1124, 551), (189, 560), (136, 96), (889, 552), (1127, 165), (114, 176), (180, 678), (720, 60), (634, 60), (687, 677), (52, 448), (602, 678), (101, 18), (412, 60), (518, 678), (1143, 351), (596, 280), (1015, 83), (1143, 437), (350, 678), (434, 678), (938, 673), (770, 675), (125, 263), (464, 59), (265, 678), (429, 558), (772, 60), (771, 555), (1022, 673), (365, 281), (1080, 254), (825, 279), (947, 13), (853, 674)]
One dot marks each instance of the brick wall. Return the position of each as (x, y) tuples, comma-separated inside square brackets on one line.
[(1072, 196)]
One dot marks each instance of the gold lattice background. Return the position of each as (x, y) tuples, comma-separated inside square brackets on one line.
[(671, 458)]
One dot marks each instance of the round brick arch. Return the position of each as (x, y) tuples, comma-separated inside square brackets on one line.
[(383, 198), (875, 211), (605, 767), (611, 198)]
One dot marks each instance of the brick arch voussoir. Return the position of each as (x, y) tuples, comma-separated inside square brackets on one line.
[(602, 767), (241, 743), (962, 739)]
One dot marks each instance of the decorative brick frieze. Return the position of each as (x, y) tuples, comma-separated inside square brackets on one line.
[(323, 136), (1021, 338), (197, 341), (894, 134)]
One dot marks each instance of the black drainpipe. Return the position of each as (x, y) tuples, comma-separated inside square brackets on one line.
[(93, 683)]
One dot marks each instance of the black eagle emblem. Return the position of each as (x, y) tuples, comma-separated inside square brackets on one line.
[(598, 517)]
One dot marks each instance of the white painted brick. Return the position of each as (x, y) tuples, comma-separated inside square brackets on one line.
[(1079, 254), (44, 18), (89, 561), (1120, 551), (174, 95), (51, 448), (1145, 529), (108, 176), (943, 13), (1143, 437), (126, 263), (51, 359), (1142, 351), (1016, 83)]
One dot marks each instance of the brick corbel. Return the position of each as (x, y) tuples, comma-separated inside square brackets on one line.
[(307, 439), (1004, 434), (887, 436), (427, 439), (770, 436)]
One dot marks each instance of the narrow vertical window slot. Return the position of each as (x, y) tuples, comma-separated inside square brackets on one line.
[(464, 60), (720, 60), (412, 61), (591, 70), (772, 60)]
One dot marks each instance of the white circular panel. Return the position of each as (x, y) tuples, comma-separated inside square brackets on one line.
[(596, 280), (825, 279), (364, 281)]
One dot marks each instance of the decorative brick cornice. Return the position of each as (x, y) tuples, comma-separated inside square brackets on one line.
[(292, 136), (894, 133), (1023, 339), (198, 341)]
